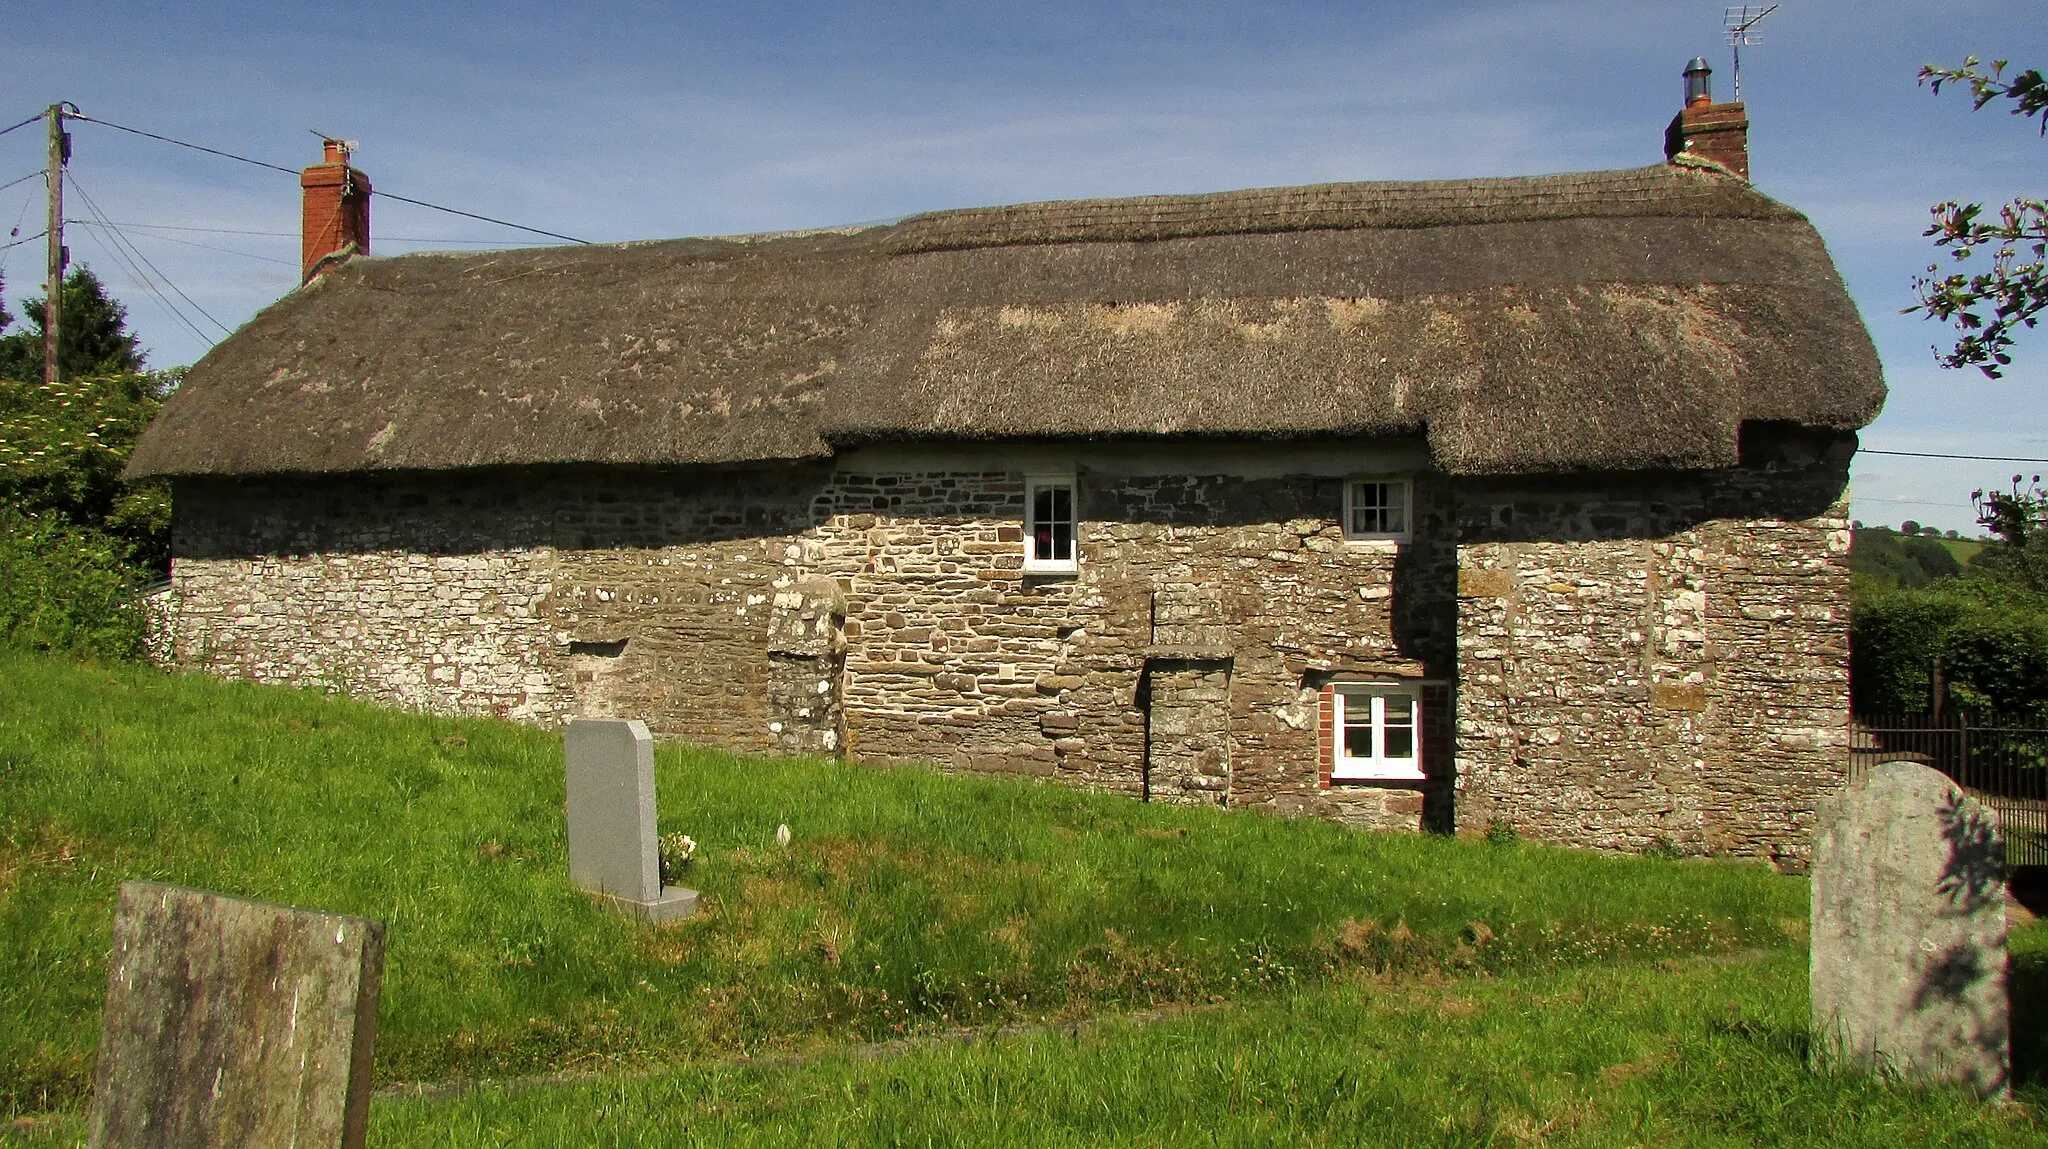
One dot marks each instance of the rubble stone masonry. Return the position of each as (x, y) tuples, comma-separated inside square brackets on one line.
[(1615, 661)]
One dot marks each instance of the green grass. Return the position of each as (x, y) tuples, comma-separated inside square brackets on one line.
[(1680, 1052), (1676, 1053), (1963, 549), (908, 902)]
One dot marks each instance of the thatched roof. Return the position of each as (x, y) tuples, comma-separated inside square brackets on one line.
[(1612, 320)]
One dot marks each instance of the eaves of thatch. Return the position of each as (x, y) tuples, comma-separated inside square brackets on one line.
[(1603, 321)]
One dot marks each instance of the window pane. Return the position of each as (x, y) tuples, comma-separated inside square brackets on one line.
[(1041, 523), (1357, 738), (1396, 514), (1400, 742), (1063, 523), (1399, 722)]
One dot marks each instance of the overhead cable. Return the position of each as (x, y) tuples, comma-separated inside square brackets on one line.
[(22, 180), (484, 218), (24, 123), (1971, 458), (190, 243), (293, 172), (23, 239), (283, 234), (121, 238), (181, 143)]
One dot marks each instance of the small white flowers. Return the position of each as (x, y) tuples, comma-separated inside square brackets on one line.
[(782, 835), (675, 852)]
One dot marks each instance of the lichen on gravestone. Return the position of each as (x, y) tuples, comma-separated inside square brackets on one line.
[(235, 1022), (1908, 943)]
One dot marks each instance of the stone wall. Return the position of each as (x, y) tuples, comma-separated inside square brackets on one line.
[(1629, 660)]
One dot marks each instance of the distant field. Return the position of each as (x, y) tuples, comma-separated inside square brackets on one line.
[(1963, 549), (908, 903)]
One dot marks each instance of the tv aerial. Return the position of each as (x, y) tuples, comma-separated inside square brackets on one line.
[(1740, 23)]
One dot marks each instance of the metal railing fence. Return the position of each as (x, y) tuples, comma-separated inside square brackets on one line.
[(2002, 764)]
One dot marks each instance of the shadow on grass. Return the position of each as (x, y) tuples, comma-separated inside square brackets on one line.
[(2029, 988)]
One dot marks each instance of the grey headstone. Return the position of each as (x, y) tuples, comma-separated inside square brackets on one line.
[(612, 837), (1909, 972), (235, 1022)]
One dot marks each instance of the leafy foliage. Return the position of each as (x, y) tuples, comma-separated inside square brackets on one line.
[(76, 542), (64, 587), (2015, 287), (93, 338)]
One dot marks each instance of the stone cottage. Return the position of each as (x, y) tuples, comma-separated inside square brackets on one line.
[(1417, 505)]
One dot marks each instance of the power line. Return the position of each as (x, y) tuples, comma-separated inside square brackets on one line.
[(484, 218), (24, 239), (180, 143), (1970, 458), (22, 180), (191, 243), (293, 172), (24, 123), (95, 209), (285, 234), (121, 257)]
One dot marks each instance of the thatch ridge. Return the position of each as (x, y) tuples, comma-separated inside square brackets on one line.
[(1604, 320)]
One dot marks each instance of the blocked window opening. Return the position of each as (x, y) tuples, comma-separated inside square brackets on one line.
[(599, 649)]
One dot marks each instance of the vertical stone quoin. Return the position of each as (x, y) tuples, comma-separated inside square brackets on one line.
[(806, 662)]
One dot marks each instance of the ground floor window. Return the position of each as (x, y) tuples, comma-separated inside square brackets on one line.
[(1376, 731)]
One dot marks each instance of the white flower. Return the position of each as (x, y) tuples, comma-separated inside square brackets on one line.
[(782, 835)]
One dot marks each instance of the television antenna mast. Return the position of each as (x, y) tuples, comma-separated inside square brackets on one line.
[(1740, 23)]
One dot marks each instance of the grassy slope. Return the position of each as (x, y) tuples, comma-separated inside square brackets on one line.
[(907, 900), (1963, 549), (1687, 1052)]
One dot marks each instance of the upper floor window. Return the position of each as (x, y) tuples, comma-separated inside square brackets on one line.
[(1050, 545), (1376, 509)]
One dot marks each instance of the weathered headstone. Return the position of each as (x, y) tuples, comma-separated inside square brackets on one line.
[(235, 1022), (613, 850), (1909, 973)]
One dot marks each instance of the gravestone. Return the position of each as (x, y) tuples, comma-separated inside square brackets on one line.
[(235, 1022), (1909, 972), (613, 850)]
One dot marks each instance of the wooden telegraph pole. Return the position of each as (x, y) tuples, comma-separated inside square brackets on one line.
[(53, 306)]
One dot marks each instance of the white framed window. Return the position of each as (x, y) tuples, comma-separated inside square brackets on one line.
[(1377, 729), (1051, 545), (1377, 510)]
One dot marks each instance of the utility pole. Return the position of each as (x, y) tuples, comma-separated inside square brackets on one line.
[(53, 305)]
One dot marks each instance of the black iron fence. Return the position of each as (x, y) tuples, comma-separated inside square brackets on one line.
[(2003, 765)]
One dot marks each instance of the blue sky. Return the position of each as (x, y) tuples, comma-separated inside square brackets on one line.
[(644, 120)]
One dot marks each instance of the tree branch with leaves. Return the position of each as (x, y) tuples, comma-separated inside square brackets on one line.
[(1991, 306)]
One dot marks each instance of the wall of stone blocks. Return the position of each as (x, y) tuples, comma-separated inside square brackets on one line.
[(1629, 662)]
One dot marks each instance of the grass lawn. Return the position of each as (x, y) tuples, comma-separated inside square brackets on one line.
[(1461, 983)]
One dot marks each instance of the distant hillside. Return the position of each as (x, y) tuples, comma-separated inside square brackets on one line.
[(1888, 558)]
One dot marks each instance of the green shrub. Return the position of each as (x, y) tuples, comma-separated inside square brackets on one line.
[(1991, 639), (64, 587)]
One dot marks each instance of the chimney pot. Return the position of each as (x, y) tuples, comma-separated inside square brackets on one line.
[(1705, 130), (335, 216), (1699, 83)]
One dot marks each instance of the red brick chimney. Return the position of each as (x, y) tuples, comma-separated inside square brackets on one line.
[(336, 221), (1705, 130)]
